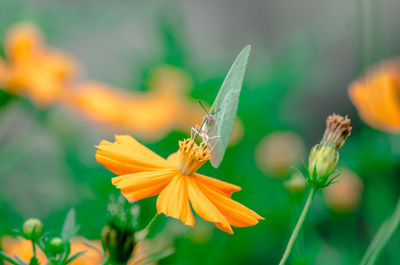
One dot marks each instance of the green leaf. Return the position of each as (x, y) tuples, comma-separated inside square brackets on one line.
[(101, 253), (226, 103), (5, 257), (151, 258), (70, 228), (19, 261), (75, 256)]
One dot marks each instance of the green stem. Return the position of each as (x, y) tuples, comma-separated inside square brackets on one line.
[(382, 237), (143, 233), (298, 226), (374, 242)]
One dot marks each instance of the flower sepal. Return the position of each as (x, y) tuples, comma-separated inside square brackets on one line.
[(321, 181)]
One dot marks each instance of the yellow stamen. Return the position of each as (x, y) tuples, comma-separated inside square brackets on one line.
[(192, 156)]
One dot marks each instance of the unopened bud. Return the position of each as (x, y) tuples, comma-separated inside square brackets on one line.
[(33, 229), (118, 243), (296, 183), (322, 160), (324, 156), (56, 246)]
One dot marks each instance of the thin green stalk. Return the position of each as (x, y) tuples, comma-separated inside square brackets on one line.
[(143, 233), (382, 237), (34, 248), (298, 226), (374, 242)]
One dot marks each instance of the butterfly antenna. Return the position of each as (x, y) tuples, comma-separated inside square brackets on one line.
[(201, 104)]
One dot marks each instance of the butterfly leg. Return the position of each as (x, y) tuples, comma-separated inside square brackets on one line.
[(214, 142), (194, 132)]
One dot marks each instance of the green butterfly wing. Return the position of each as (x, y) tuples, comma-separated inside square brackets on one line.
[(226, 103)]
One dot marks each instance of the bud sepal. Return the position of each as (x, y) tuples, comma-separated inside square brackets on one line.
[(321, 181)]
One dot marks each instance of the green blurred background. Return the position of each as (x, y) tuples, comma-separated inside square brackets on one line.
[(304, 55)]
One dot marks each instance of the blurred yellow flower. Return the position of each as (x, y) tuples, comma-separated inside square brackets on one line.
[(144, 174), (345, 195), (278, 152), (31, 68), (376, 96)]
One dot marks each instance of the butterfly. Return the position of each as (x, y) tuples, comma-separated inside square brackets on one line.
[(216, 129)]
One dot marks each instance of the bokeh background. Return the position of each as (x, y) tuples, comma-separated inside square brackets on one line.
[(304, 55)]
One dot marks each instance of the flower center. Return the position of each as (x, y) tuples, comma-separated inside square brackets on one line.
[(192, 156)]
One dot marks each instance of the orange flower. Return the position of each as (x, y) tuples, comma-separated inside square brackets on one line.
[(376, 96), (23, 249), (144, 174), (278, 152), (33, 69), (149, 115), (345, 195)]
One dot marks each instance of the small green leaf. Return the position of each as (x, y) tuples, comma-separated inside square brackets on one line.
[(19, 261), (75, 256), (70, 228), (151, 258), (93, 247), (5, 257)]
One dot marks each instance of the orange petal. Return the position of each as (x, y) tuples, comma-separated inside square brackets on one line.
[(237, 214), (131, 142), (205, 208), (218, 185), (124, 159), (22, 41), (173, 201), (174, 158), (142, 185)]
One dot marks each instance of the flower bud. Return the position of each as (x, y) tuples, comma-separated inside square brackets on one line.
[(324, 156), (118, 243), (322, 160), (296, 183), (33, 229), (56, 246)]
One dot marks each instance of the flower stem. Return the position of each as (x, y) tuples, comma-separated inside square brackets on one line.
[(143, 233), (298, 226), (382, 237), (34, 248)]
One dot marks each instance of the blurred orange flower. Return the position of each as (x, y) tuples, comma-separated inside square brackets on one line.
[(278, 152), (33, 69), (345, 195), (149, 115), (23, 249), (376, 96), (144, 174)]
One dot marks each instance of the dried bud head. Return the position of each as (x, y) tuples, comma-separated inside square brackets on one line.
[(337, 130)]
